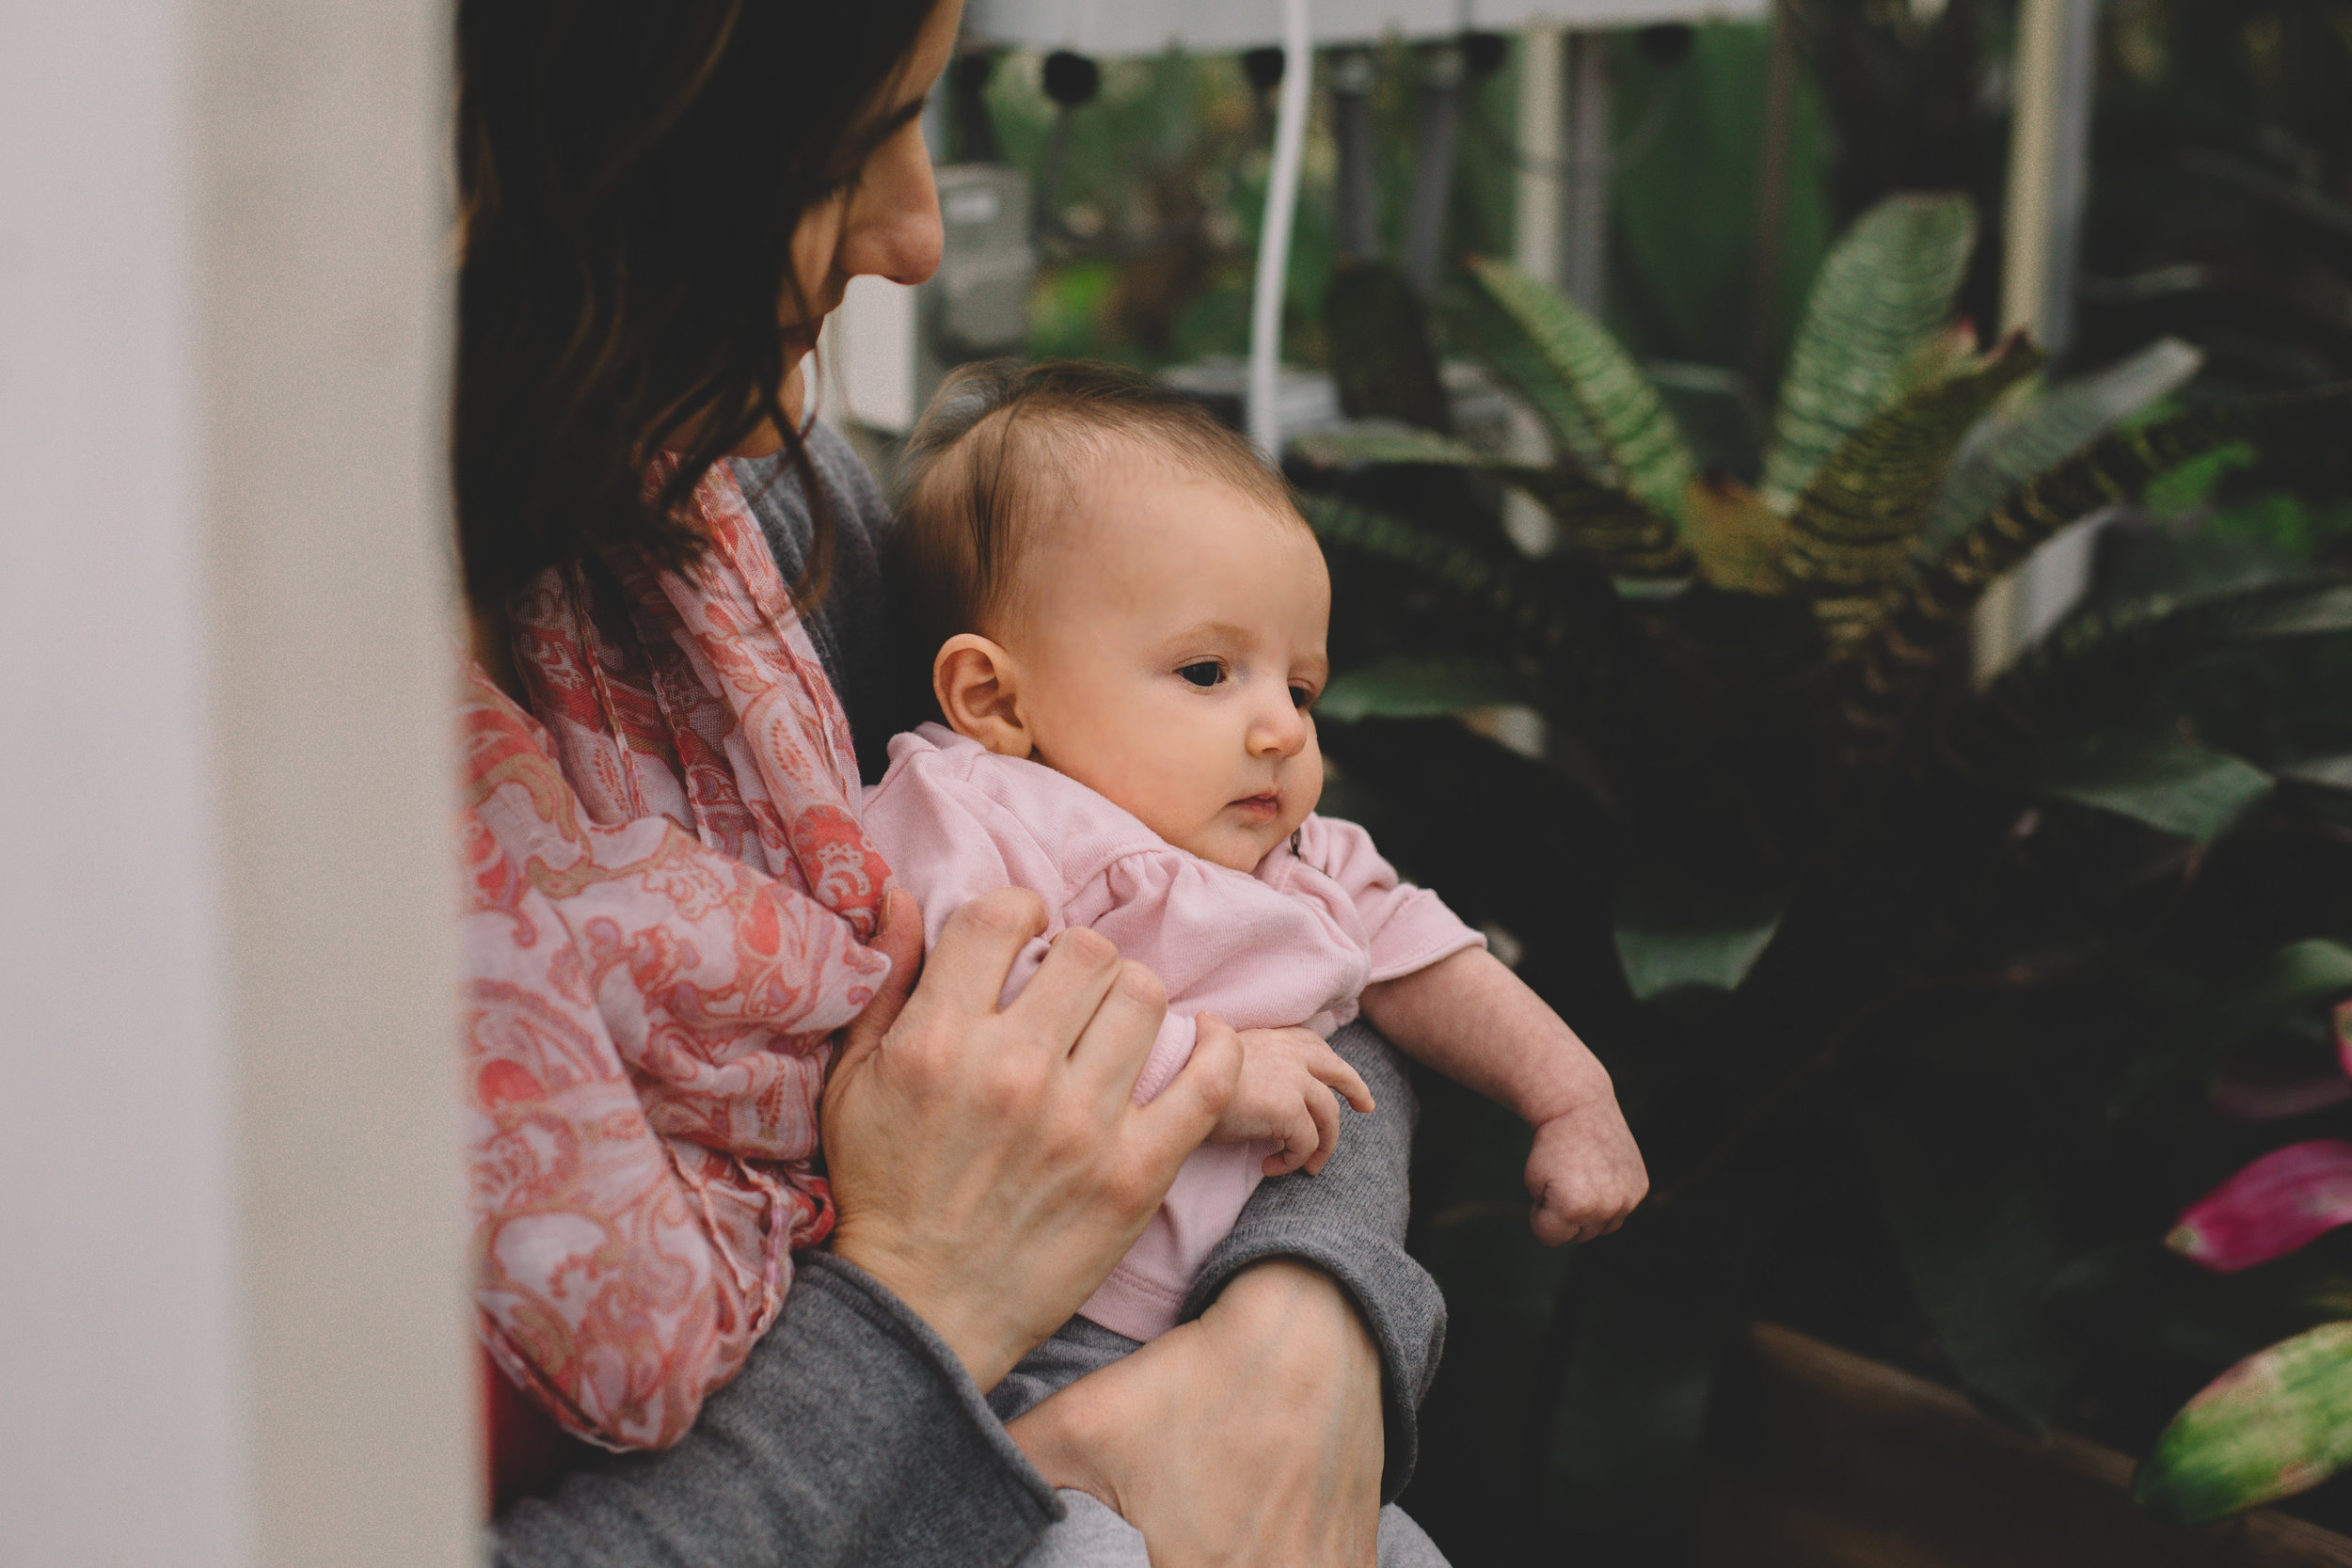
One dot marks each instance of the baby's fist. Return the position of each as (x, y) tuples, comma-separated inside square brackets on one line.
[(1585, 1174)]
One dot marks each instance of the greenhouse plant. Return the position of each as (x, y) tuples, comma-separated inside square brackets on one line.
[(1935, 998)]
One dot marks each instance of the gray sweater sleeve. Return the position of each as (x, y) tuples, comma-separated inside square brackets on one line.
[(852, 1436), (1349, 1221)]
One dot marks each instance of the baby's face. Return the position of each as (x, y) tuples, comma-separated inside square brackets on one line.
[(1171, 633)]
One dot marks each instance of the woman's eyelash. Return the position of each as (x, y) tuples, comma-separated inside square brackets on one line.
[(1202, 673)]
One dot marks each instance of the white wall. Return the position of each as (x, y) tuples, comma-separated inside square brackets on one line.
[(231, 1313)]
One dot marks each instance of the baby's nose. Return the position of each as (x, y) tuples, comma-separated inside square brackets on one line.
[(1280, 730)]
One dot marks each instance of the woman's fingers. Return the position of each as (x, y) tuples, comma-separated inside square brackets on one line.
[(898, 936), (1108, 1055), (1179, 1118), (976, 951), (1081, 972)]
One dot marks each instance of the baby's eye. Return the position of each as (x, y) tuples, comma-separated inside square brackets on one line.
[(1302, 696), (1207, 672)]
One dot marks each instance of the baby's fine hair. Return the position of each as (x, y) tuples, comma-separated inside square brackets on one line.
[(997, 433)]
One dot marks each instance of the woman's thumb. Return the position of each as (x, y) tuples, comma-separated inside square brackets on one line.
[(898, 937)]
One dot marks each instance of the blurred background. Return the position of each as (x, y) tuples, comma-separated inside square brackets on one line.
[(1840, 512)]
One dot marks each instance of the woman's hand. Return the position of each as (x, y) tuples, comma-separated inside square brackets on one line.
[(1252, 1436), (991, 1165)]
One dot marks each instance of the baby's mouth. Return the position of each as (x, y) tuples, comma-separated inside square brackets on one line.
[(1261, 808)]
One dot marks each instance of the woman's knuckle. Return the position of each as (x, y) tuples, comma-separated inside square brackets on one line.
[(1139, 986), (1003, 910)]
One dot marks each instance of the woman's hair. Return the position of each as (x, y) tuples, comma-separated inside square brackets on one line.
[(632, 173), (997, 435)]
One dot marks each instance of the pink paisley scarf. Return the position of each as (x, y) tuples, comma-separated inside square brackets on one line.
[(666, 901)]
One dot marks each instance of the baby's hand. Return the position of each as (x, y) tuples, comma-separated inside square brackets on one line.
[(1288, 1077), (1585, 1174)]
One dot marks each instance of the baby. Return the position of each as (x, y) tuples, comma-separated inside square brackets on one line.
[(1129, 615)]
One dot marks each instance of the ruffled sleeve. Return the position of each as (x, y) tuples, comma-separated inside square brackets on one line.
[(1406, 928), (1222, 942)]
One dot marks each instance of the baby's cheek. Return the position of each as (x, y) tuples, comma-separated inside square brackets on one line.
[(1303, 790)]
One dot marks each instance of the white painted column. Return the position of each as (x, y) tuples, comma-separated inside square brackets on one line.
[(233, 1327), (1539, 227)]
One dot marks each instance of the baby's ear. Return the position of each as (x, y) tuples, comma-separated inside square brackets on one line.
[(979, 687)]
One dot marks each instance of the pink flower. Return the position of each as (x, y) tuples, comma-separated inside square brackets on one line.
[(2272, 1207)]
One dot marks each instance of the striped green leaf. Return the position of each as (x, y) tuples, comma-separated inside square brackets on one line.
[(1883, 296), (2277, 1423), (1850, 533), (2009, 449), (1632, 540), (1889, 668), (1513, 598), (1642, 448)]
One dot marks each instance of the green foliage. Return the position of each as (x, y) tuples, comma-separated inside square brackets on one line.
[(1852, 530), (2173, 785), (1831, 913), (1883, 296), (2016, 447), (1421, 688), (1980, 1242), (1644, 452), (1684, 203), (2277, 1423)]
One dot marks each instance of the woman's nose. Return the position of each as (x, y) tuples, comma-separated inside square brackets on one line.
[(893, 229)]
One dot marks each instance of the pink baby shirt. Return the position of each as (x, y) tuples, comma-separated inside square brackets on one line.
[(1295, 942)]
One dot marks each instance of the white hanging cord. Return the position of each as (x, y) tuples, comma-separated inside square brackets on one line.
[(1274, 232)]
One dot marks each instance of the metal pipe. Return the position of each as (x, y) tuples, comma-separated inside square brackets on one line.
[(1274, 234), (1586, 260), (1356, 196), (1442, 75)]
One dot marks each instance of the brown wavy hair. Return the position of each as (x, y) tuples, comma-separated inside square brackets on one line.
[(631, 173)]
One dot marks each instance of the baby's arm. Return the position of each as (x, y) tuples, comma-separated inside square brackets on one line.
[(1469, 1018)]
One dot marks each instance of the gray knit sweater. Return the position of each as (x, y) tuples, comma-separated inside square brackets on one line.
[(853, 1435)]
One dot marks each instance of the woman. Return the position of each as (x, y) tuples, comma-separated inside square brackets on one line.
[(662, 203)]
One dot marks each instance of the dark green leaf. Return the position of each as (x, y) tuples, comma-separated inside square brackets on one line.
[(2101, 667), (2277, 1423), (1422, 687), (1616, 401), (1670, 936), (2173, 785), (2266, 994), (1889, 668), (1980, 1240), (2010, 449), (1850, 533), (1882, 296), (1632, 540), (1383, 364)]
